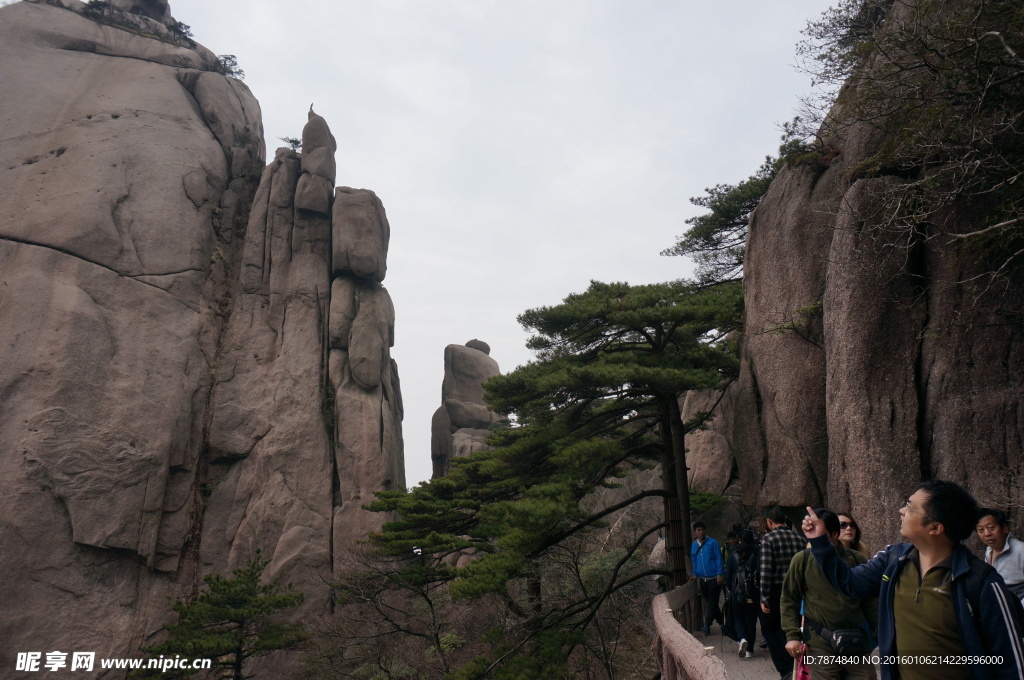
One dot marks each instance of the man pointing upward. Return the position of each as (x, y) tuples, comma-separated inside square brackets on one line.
[(939, 605)]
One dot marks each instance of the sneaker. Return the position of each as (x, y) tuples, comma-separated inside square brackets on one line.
[(706, 630), (744, 648), (764, 643), (748, 655)]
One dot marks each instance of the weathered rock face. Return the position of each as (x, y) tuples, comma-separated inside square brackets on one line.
[(460, 425), (870, 361), (711, 457), (112, 260), (780, 410), (363, 377), (173, 399)]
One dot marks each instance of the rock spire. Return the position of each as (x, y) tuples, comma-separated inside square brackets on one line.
[(460, 425)]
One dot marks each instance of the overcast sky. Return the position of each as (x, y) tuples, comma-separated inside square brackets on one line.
[(521, 148)]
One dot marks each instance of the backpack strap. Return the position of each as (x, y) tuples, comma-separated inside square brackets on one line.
[(821, 630), (974, 581)]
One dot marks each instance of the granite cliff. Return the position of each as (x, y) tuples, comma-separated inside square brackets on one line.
[(196, 345), (873, 355)]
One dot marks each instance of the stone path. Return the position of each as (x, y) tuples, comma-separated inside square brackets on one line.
[(758, 668)]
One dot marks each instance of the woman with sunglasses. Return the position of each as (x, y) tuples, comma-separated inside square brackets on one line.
[(849, 534)]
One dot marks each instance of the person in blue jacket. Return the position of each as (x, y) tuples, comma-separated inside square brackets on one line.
[(706, 557), (943, 613)]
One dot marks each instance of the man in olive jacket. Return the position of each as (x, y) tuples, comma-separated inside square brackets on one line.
[(826, 611)]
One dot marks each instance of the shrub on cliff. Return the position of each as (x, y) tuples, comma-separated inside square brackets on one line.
[(716, 240), (943, 84), (227, 65)]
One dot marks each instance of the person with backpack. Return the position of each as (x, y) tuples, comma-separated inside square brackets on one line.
[(741, 590), (830, 623), (942, 611), (729, 626)]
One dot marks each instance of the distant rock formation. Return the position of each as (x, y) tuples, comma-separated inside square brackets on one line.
[(196, 347), (461, 424)]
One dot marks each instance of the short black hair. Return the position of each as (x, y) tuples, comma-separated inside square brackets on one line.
[(700, 525), (830, 519), (998, 515), (731, 534), (777, 515), (952, 506)]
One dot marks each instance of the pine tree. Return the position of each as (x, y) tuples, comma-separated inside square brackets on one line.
[(231, 622), (600, 400), (717, 239)]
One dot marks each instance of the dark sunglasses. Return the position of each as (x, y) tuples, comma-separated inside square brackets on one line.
[(847, 525)]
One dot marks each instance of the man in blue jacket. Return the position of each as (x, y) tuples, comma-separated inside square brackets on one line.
[(706, 557), (942, 611)]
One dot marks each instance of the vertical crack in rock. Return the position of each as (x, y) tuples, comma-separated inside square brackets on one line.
[(920, 275), (327, 410), (123, 224), (759, 411)]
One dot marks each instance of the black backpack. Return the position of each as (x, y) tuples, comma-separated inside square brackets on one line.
[(974, 581), (743, 579)]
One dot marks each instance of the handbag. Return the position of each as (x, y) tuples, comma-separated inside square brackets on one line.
[(800, 670), (846, 641)]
